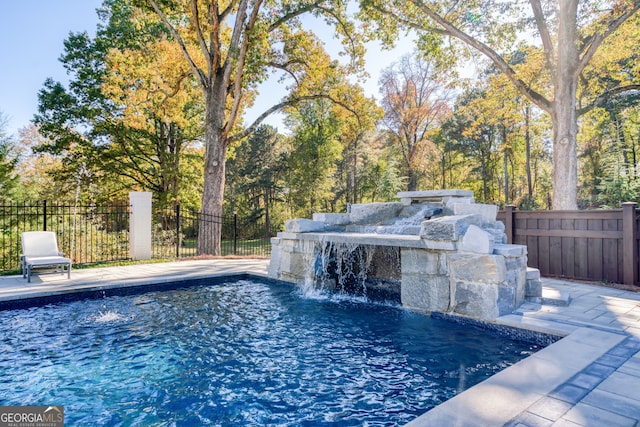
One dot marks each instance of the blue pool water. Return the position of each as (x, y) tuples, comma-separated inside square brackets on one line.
[(242, 354)]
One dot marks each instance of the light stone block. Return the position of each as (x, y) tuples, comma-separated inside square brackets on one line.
[(533, 273), (449, 202), (275, 261), (498, 236), (477, 268), (510, 250), (487, 212), (374, 213), (449, 227), (533, 288), (419, 261), (508, 299), (476, 240), (295, 264), (140, 225), (440, 245), (476, 300), (425, 293), (433, 194), (302, 225), (457, 264), (332, 218)]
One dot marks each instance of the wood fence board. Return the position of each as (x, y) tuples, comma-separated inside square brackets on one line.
[(595, 251), (610, 259), (555, 249), (532, 249), (589, 245), (543, 246), (532, 243), (620, 254), (590, 234), (568, 249), (581, 251), (637, 261), (592, 214)]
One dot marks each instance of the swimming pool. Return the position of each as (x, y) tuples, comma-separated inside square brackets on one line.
[(240, 353)]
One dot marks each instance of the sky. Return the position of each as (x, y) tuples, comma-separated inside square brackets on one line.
[(32, 33), (31, 41)]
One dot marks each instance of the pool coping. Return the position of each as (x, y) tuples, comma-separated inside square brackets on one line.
[(522, 392), (568, 383), (511, 392)]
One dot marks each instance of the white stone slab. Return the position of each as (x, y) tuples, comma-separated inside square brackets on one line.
[(476, 240), (487, 212), (302, 225), (332, 218)]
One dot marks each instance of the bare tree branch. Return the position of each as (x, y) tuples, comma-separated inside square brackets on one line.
[(196, 23), (292, 14), (242, 56), (282, 105), (201, 77), (499, 62), (606, 96), (547, 43), (596, 41)]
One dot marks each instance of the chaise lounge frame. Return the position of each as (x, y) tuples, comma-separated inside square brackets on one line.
[(40, 249)]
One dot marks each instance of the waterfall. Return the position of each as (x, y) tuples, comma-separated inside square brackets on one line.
[(352, 269)]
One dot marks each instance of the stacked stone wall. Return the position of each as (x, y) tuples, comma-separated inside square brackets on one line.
[(458, 263)]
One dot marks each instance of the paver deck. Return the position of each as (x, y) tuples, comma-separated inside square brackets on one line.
[(589, 378)]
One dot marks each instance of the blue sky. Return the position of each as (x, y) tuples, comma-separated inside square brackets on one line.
[(32, 33), (31, 37)]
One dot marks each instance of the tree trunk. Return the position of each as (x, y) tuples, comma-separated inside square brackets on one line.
[(527, 141), (443, 181), (355, 170), (210, 226), (412, 180), (505, 164), (267, 217), (485, 184), (564, 116)]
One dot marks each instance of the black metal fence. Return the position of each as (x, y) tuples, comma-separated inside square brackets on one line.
[(175, 234), (87, 233), (92, 234)]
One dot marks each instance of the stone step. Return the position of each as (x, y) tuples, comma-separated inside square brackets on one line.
[(555, 297), (533, 286), (533, 273)]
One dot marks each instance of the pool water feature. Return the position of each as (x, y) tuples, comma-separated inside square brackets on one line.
[(444, 254), (240, 353)]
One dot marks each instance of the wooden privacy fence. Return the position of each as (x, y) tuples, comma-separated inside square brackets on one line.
[(597, 245)]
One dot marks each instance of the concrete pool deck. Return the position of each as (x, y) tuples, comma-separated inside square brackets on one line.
[(589, 378)]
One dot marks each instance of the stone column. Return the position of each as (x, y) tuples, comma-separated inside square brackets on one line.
[(140, 225)]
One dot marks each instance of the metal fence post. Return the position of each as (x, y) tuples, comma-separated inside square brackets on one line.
[(44, 216), (508, 222), (235, 233), (629, 244), (177, 230)]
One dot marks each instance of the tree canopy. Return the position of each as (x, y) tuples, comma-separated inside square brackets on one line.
[(157, 101), (572, 35)]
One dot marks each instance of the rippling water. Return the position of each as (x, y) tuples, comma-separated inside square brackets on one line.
[(241, 354)]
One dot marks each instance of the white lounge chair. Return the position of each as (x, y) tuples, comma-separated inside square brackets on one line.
[(40, 249)]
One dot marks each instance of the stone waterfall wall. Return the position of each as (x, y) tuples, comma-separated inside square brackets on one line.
[(457, 263), (481, 286)]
